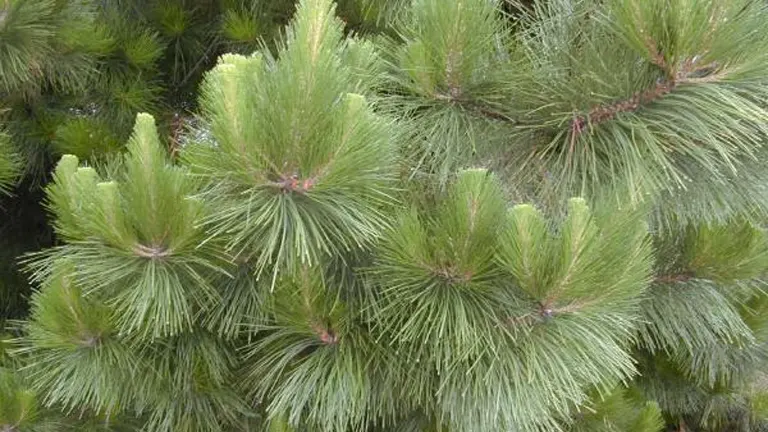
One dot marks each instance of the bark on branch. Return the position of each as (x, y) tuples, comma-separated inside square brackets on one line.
[(687, 72)]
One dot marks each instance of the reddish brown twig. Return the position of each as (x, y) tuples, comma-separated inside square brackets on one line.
[(292, 183), (177, 126), (603, 113), (686, 72), (326, 335)]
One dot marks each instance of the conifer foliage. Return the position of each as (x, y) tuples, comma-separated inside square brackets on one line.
[(428, 216), (9, 164)]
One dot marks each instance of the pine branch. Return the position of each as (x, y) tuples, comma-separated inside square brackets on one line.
[(604, 113), (396, 305), (687, 73)]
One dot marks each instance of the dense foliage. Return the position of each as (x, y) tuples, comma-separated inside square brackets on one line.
[(384, 215)]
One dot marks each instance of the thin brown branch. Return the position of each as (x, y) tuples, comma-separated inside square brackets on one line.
[(656, 56), (471, 105), (177, 127), (200, 62), (688, 73), (674, 278), (491, 114), (603, 113)]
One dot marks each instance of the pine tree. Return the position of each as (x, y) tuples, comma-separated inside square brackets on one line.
[(423, 216), (97, 64), (94, 66)]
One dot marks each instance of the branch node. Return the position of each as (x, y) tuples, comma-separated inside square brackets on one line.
[(326, 335), (292, 183), (151, 252)]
